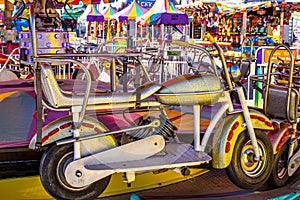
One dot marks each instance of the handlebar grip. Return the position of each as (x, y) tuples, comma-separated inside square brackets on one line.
[(209, 37)]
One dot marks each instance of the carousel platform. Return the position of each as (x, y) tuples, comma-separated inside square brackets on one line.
[(203, 183)]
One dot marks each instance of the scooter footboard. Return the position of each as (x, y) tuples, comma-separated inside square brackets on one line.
[(227, 133)]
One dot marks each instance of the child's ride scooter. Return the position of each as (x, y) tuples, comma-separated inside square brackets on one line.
[(82, 154), (281, 105)]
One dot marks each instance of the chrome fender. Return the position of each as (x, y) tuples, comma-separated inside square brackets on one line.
[(229, 130), (62, 128)]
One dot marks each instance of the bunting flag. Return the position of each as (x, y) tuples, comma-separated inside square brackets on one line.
[(94, 2), (287, 3)]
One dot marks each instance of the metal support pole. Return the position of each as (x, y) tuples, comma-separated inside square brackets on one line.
[(37, 77), (281, 25), (244, 25), (152, 33), (113, 78), (197, 109), (125, 74)]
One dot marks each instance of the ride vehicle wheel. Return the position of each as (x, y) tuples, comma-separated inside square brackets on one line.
[(52, 166), (243, 170), (279, 174)]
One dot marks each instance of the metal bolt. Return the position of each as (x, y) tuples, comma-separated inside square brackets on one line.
[(78, 173)]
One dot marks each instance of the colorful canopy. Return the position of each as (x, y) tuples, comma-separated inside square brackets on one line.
[(131, 12), (109, 11), (91, 14), (94, 15), (164, 12)]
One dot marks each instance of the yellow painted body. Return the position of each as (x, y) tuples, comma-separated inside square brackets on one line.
[(235, 123)]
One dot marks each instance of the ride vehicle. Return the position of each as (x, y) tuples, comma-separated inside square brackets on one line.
[(81, 153), (280, 90)]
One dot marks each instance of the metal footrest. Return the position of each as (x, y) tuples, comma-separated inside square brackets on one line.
[(177, 155)]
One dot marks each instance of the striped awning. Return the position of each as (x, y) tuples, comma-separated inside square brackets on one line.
[(292, 3), (213, 7), (251, 6), (226, 7)]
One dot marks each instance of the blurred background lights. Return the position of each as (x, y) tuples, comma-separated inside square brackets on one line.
[(39, 36), (48, 44), (56, 36)]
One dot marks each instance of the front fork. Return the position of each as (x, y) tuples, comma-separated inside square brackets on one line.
[(247, 118)]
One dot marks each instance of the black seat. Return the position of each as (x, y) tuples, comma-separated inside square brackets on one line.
[(276, 103), (245, 66)]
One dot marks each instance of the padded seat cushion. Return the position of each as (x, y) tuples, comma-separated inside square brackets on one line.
[(276, 104)]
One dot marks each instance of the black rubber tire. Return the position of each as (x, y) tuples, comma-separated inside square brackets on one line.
[(242, 170), (52, 164), (279, 174)]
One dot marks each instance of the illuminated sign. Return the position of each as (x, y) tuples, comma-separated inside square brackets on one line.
[(281, 53), (146, 3)]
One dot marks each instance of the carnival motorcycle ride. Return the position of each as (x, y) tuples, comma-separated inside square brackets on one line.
[(280, 89), (81, 153)]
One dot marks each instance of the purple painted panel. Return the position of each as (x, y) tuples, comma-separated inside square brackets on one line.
[(169, 18), (95, 18)]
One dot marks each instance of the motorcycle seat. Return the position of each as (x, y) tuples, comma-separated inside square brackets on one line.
[(59, 99)]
